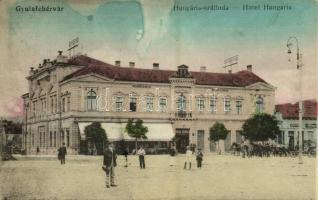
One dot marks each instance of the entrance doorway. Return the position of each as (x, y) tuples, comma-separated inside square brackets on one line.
[(182, 139)]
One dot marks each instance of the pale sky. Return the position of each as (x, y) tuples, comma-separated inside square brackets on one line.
[(145, 31)]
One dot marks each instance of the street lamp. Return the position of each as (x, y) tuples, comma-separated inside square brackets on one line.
[(299, 67)]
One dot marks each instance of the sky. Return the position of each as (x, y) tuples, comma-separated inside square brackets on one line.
[(145, 32)]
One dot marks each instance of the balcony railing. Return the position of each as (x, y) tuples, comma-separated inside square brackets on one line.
[(183, 115)]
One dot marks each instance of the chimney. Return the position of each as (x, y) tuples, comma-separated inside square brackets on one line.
[(117, 63), (60, 52), (132, 64), (203, 69), (155, 65), (230, 71), (249, 68)]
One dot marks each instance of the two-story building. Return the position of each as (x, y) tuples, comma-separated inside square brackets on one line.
[(65, 95)]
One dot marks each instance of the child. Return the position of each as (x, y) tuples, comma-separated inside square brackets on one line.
[(199, 158)]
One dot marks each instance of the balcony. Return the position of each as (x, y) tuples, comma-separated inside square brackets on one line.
[(182, 115)]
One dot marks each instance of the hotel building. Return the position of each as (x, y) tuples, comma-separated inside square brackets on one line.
[(67, 94)]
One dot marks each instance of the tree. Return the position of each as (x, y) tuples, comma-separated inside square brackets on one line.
[(135, 129), (218, 132), (97, 135), (260, 127)]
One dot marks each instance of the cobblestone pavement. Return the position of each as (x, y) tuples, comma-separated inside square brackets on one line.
[(222, 177)]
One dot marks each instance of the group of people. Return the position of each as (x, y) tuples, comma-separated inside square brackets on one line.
[(110, 156), (189, 156)]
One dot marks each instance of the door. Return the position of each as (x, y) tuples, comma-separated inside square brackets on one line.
[(200, 139), (182, 139)]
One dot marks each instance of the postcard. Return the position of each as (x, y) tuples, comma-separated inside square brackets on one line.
[(149, 99)]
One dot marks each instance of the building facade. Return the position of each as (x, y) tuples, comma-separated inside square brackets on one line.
[(287, 115), (65, 95)]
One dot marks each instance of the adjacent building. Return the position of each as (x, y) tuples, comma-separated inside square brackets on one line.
[(67, 94), (288, 117)]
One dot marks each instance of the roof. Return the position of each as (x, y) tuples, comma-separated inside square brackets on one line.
[(91, 65), (290, 111)]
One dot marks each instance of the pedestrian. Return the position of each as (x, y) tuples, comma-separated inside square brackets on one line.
[(141, 153), (61, 153), (199, 158), (188, 158), (109, 164), (172, 153)]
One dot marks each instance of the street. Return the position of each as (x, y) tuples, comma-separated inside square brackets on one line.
[(222, 177)]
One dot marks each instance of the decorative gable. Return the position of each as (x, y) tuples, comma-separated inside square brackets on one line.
[(92, 77), (260, 86)]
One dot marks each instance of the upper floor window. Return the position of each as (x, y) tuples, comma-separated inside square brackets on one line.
[(181, 103), (132, 104), (63, 105), (91, 100), (238, 107), (213, 105), (227, 105), (119, 103), (162, 104), (149, 104), (259, 105), (200, 104), (68, 107)]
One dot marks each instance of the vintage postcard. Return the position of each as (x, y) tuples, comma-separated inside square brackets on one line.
[(158, 99)]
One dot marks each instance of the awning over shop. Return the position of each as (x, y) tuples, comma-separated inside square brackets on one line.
[(116, 131)]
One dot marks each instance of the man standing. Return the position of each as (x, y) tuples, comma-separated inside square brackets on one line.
[(109, 164), (61, 153), (141, 152)]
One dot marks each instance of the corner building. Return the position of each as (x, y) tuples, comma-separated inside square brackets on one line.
[(65, 95)]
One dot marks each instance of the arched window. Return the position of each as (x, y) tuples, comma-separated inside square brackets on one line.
[(91, 100), (259, 105), (181, 103)]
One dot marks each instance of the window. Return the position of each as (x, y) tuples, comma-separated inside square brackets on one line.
[(68, 107), (52, 105), (238, 107), (67, 138), (55, 101), (54, 138), (213, 105), (63, 105), (119, 103), (33, 107), (40, 133), (91, 100), (227, 105), (62, 138), (259, 105), (149, 104), (200, 104), (132, 104), (181, 103), (32, 140), (162, 104), (44, 109), (51, 138)]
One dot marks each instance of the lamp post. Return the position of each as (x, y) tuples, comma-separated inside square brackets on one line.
[(299, 67)]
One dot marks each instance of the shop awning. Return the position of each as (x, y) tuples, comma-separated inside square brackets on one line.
[(116, 131)]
